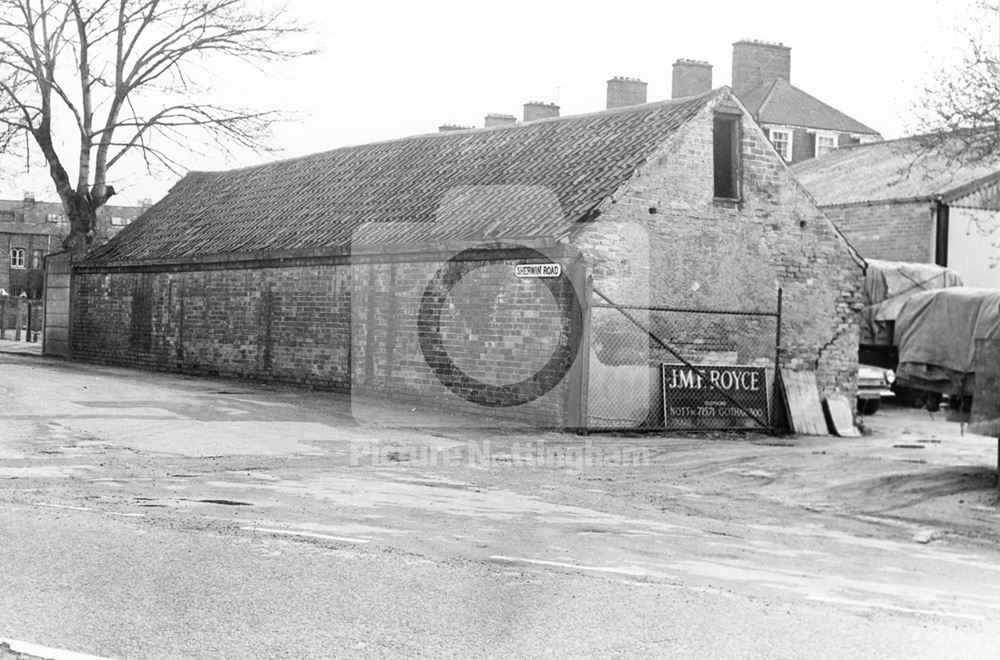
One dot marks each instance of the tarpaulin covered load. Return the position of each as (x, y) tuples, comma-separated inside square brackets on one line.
[(889, 284), (936, 333)]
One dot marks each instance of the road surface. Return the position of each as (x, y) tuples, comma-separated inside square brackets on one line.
[(156, 516)]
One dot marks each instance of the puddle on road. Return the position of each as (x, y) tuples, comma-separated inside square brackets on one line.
[(223, 502)]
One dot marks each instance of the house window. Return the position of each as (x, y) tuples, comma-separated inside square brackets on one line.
[(17, 257), (118, 221), (781, 138), (726, 156), (825, 143), (6, 216), (55, 217), (36, 258)]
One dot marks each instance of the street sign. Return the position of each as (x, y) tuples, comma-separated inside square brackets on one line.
[(538, 270)]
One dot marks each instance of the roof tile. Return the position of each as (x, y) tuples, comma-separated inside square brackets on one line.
[(532, 179)]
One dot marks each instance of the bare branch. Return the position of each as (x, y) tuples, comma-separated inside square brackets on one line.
[(129, 74), (960, 116)]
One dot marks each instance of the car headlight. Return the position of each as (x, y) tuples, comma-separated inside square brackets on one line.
[(890, 376)]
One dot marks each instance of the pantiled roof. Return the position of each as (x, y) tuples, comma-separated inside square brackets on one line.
[(531, 179), (908, 168), (780, 102)]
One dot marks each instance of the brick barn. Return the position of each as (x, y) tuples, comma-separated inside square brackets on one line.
[(397, 268)]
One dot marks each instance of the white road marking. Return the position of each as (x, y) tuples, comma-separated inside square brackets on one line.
[(63, 506), (620, 570), (313, 535), (130, 515), (45, 652)]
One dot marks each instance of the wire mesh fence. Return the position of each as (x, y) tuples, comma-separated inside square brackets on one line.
[(659, 368)]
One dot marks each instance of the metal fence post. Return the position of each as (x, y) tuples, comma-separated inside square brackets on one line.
[(17, 319), (776, 385)]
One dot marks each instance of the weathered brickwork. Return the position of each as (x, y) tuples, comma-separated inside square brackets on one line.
[(275, 324), (896, 231), (352, 328), (665, 241), (507, 335)]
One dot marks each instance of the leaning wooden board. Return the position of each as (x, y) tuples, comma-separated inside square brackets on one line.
[(841, 417), (805, 412)]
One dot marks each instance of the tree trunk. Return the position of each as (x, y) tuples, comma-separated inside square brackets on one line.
[(82, 222)]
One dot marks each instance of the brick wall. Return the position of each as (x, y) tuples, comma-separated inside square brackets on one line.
[(664, 241), (275, 324), (347, 327), (892, 230)]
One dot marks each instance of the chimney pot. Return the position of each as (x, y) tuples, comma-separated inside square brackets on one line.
[(534, 110), (690, 78), (624, 91)]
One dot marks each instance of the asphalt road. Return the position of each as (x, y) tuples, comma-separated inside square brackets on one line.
[(154, 516)]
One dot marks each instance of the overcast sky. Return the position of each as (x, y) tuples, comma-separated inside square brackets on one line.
[(390, 68)]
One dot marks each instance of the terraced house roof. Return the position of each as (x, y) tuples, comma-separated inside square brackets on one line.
[(532, 179), (780, 102)]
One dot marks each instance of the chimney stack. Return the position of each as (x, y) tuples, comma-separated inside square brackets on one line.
[(28, 207), (757, 62), (625, 91), (691, 78), (494, 119), (534, 110), (447, 128)]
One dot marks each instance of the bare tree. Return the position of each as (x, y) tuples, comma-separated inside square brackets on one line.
[(959, 115), (127, 74)]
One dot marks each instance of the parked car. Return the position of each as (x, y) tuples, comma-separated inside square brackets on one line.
[(874, 384)]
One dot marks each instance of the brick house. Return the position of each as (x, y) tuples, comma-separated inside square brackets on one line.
[(907, 200), (31, 229), (378, 268), (799, 125)]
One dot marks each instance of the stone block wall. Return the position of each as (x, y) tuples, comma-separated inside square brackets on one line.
[(663, 240)]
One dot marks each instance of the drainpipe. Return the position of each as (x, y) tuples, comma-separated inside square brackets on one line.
[(941, 238)]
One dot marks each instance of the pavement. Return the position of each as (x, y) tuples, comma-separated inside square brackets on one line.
[(168, 516), (20, 347)]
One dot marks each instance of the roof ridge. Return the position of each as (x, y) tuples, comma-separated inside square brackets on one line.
[(607, 111), (692, 100)]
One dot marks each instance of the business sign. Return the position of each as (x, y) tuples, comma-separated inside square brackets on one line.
[(714, 396), (538, 270)]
